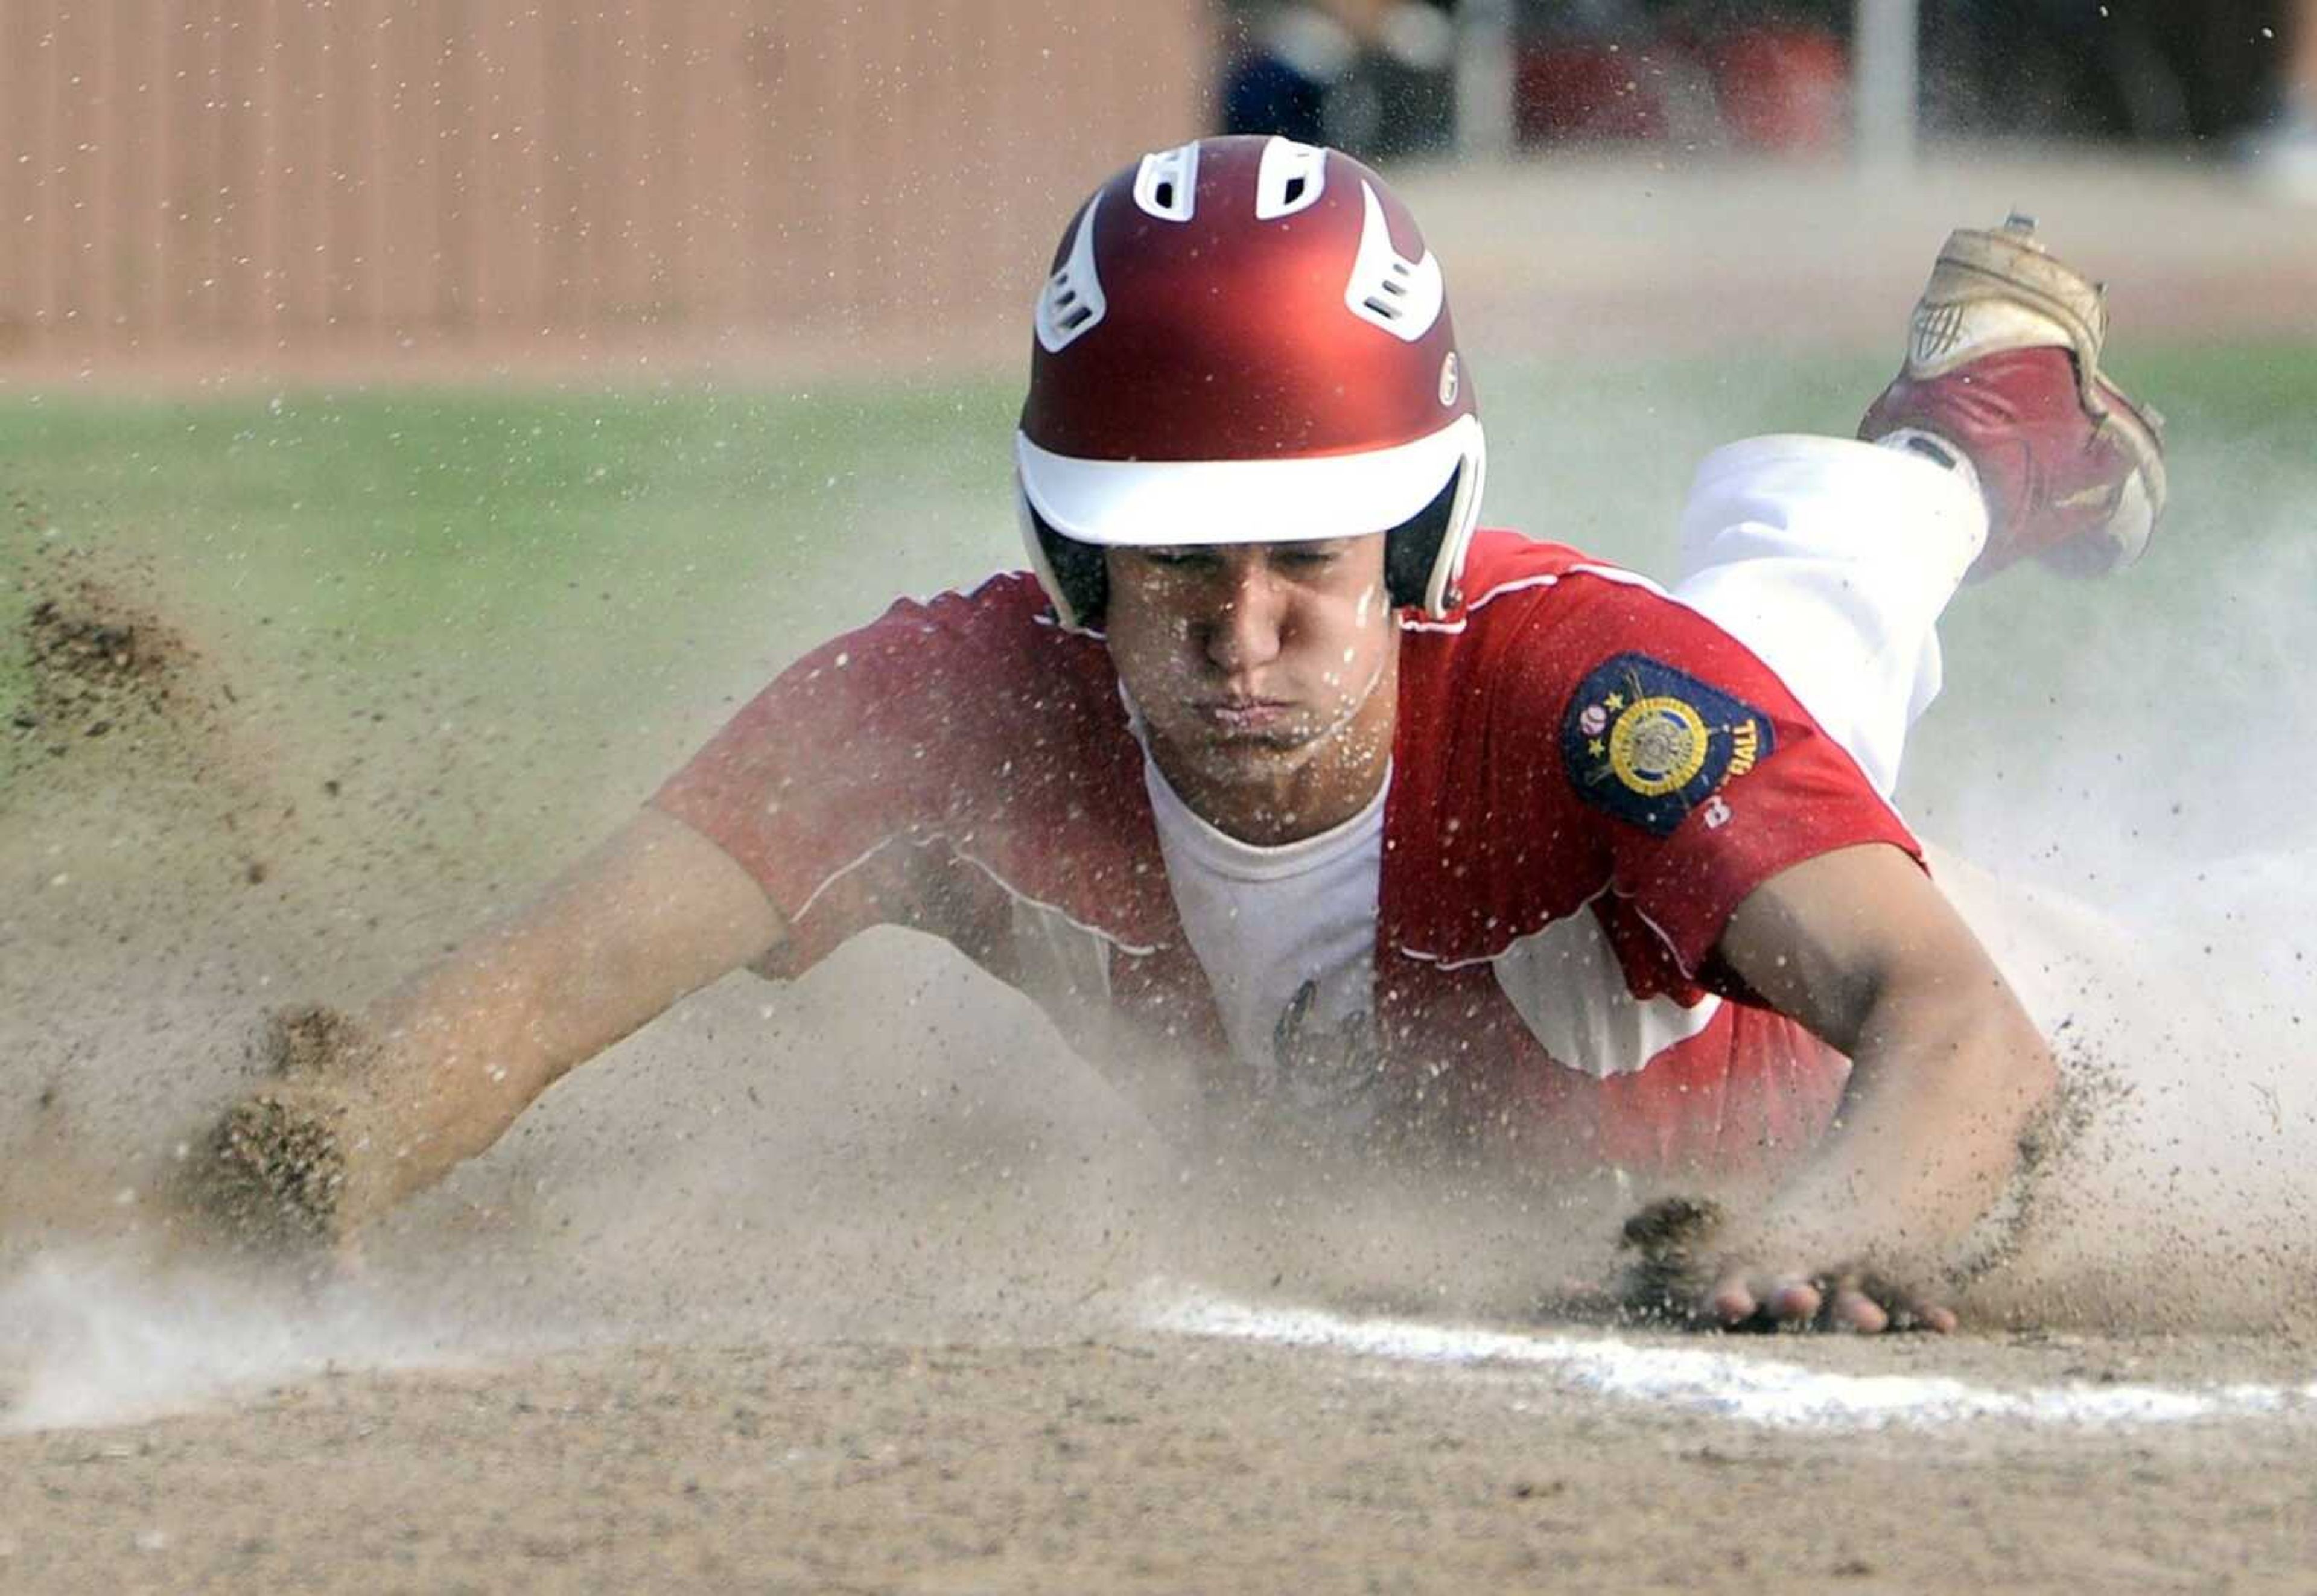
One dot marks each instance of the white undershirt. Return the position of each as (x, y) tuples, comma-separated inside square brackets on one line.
[(1264, 922)]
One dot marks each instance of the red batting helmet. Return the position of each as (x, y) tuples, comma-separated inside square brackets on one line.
[(1245, 340)]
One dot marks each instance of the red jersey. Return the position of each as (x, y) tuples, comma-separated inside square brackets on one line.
[(1588, 779)]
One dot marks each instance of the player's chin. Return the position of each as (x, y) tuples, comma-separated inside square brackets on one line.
[(1253, 753)]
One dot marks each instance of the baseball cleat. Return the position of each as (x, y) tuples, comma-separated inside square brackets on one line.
[(2002, 368)]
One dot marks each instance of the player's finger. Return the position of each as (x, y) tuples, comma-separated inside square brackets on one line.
[(1870, 1303), (1918, 1314), (1791, 1300), (1850, 1308), (1904, 1308), (1742, 1297), (1731, 1302)]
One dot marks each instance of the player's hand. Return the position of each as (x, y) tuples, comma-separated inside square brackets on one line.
[(1693, 1267), (285, 1174), (1746, 1296)]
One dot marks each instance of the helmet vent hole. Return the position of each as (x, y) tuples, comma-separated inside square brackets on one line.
[(1290, 179), (1167, 183)]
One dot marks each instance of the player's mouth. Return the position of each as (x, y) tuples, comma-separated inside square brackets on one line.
[(1244, 717)]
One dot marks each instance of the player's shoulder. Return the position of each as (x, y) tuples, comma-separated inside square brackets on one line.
[(1502, 565), (1006, 603), (1542, 625), (960, 665), (1001, 620), (1510, 580)]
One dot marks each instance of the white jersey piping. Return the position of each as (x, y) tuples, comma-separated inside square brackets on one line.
[(1131, 949), (1665, 1018), (1010, 890), (1672, 952), (1490, 958), (1480, 603), (841, 871)]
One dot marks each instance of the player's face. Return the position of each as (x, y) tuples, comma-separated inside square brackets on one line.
[(1257, 665)]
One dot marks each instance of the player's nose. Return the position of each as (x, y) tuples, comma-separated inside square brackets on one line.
[(1247, 628)]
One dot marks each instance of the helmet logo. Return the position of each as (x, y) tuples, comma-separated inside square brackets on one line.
[(1450, 379), (1072, 300), (1387, 289)]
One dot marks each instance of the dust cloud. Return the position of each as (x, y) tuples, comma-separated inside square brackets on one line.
[(899, 1148), (2158, 921)]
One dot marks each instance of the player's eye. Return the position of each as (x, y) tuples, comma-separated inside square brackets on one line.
[(1188, 558), (1307, 558)]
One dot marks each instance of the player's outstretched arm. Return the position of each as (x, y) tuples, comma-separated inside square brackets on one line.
[(1947, 1069), (361, 1113)]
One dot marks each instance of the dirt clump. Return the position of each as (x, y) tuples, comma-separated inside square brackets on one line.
[(98, 665), (99, 661), (272, 1172), (271, 1175), (108, 706), (1670, 1239), (313, 1039)]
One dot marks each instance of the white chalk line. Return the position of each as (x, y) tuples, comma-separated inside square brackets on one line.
[(111, 1349), (1762, 1391)]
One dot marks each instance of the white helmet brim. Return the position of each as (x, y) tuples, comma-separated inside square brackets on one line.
[(1175, 503)]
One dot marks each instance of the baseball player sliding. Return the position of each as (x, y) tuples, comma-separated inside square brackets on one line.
[(1405, 840)]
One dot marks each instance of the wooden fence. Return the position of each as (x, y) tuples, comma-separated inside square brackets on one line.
[(301, 177)]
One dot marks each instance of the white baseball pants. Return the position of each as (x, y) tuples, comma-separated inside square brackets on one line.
[(1832, 560)]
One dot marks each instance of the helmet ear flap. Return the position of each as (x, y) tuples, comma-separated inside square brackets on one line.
[(1073, 574), (1423, 555)]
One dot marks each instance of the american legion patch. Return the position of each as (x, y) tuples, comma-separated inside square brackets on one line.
[(1649, 743)]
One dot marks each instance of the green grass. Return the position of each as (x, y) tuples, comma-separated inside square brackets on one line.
[(413, 523), (609, 569)]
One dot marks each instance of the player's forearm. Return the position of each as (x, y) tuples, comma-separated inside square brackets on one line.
[(466, 1046), (1943, 1082), (1946, 1067), (437, 1071)]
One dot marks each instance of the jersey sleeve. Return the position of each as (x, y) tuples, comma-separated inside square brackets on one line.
[(821, 784), (1700, 774)]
